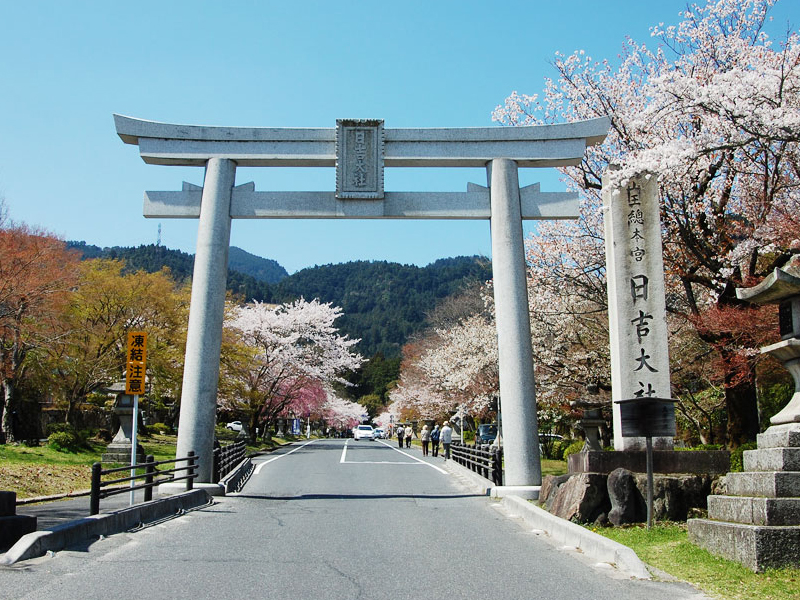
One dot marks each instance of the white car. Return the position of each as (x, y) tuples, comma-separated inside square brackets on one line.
[(379, 434), (234, 426), (364, 432)]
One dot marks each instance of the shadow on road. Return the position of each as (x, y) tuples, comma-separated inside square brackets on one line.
[(359, 496)]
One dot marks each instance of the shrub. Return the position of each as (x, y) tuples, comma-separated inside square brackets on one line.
[(737, 456), (159, 428), (60, 428), (575, 447), (559, 446), (64, 441), (103, 435)]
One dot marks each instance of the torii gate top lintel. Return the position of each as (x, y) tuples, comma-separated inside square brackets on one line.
[(556, 145)]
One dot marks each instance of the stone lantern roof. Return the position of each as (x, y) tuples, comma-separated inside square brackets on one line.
[(778, 286)]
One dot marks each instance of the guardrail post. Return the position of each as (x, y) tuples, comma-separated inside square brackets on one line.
[(497, 464), (149, 469), (215, 470), (94, 501), (191, 469)]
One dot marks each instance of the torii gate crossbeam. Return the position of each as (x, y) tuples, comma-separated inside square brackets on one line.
[(359, 150)]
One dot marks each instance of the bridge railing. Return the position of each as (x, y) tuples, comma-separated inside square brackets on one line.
[(151, 477), (226, 458), (486, 461)]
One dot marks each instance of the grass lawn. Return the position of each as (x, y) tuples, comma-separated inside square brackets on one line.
[(553, 467), (666, 547), (41, 471)]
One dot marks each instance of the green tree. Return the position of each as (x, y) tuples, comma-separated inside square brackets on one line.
[(106, 304)]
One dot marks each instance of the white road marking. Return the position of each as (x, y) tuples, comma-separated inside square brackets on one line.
[(266, 462), (344, 460)]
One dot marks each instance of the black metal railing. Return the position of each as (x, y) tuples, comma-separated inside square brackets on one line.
[(226, 458), (486, 461), (152, 477)]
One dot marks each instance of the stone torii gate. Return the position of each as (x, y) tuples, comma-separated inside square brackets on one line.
[(360, 149)]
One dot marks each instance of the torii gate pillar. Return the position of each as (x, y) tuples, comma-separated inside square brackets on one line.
[(204, 334), (515, 357)]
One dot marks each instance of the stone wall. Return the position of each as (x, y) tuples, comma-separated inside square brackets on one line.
[(618, 498)]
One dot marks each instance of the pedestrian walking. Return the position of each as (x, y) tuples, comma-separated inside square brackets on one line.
[(400, 436), (409, 433), (425, 438), (446, 437), (435, 440)]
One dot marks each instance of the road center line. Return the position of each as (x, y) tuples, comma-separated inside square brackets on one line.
[(266, 462)]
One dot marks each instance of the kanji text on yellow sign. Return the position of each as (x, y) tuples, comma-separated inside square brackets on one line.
[(136, 363)]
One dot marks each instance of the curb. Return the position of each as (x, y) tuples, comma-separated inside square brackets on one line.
[(567, 533), (39, 543), (560, 531)]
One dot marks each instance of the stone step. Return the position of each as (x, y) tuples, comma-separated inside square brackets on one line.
[(756, 547), (780, 436), (767, 484), (772, 459), (754, 511)]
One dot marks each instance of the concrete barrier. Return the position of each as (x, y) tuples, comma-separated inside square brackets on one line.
[(234, 480), (39, 543)]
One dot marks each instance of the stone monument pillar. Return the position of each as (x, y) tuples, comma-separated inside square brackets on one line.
[(757, 521), (637, 312)]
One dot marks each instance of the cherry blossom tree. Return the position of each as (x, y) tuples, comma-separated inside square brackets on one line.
[(464, 363), (340, 413), (287, 355), (714, 112)]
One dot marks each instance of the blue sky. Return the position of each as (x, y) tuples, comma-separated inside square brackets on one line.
[(66, 67)]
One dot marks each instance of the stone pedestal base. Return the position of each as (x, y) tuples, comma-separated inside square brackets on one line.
[(756, 547), (527, 492), (702, 462), (121, 453), (757, 523)]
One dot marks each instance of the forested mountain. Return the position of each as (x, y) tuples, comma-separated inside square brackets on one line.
[(383, 303), (263, 269), (152, 258)]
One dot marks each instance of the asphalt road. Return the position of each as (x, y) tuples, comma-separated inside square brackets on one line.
[(332, 519)]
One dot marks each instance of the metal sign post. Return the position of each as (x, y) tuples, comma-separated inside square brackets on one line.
[(648, 418), (136, 367)]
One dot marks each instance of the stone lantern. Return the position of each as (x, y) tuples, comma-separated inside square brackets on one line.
[(757, 521), (782, 288), (119, 450), (592, 419)]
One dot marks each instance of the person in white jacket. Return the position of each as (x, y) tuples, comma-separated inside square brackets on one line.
[(446, 437)]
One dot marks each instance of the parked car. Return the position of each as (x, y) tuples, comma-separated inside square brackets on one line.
[(486, 434), (234, 426), (364, 432), (379, 433)]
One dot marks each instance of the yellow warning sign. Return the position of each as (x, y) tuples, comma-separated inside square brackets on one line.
[(136, 363)]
